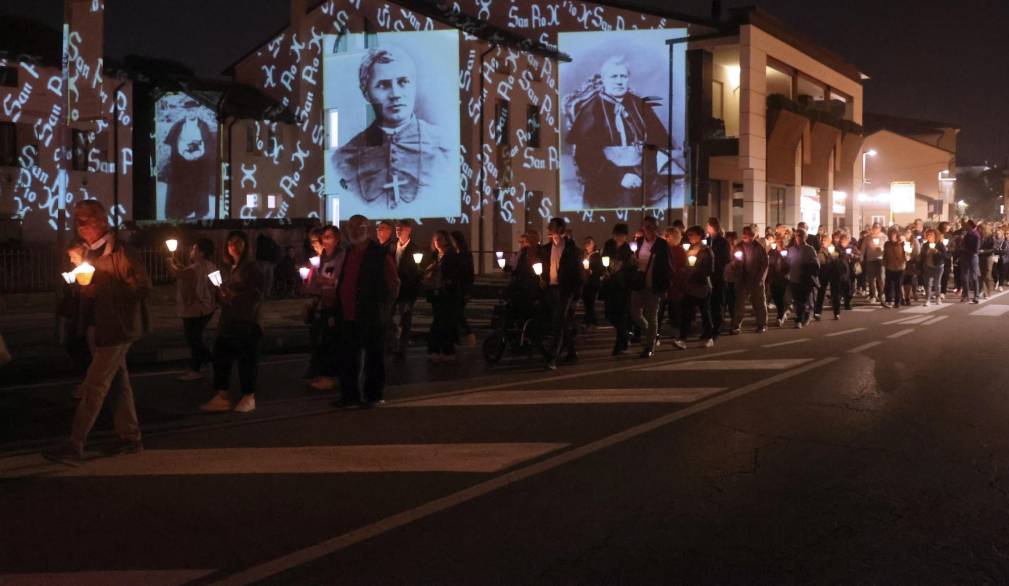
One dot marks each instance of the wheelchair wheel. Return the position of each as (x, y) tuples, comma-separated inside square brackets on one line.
[(493, 348)]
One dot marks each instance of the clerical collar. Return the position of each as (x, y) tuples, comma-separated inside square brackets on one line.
[(396, 129), (100, 242)]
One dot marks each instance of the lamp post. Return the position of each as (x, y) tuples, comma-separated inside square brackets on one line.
[(865, 177)]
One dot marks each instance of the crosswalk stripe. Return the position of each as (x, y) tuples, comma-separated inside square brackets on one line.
[(919, 309), (935, 320), (917, 320), (899, 321), (991, 311), (788, 343), (845, 332), (771, 364), (900, 334), (462, 457), (571, 397), (863, 347), (102, 578)]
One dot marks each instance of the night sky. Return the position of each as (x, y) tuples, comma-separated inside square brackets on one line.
[(933, 59)]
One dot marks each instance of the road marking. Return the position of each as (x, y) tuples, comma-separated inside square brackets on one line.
[(571, 397), (466, 458), (845, 332), (863, 347), (340, 542), (771, 364), (865, 309), (991, 311), (935, 320), (788, 343), (900, 334), (899, 321), (101, 578), (920, 309), (918, 320)]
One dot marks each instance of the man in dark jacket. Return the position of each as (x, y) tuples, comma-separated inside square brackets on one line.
[(650, 282), (751, 272), (970, 248), (368, 285), (615, 295), (403, 249), (562, 279), (721, 256), (113, 309)]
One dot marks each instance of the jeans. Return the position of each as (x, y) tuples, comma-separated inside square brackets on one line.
[(836, 293), (688, 306), (645, 311), (757, 296), (362, 351), (800, 300), (893, 281), (238, 342), (778, 294), (107, 373), (615, 306), (933, 279), (193, 328), (874, 277), (970, 274), (562, 327), (589, 294)]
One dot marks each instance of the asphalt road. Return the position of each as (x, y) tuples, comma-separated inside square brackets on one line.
[(868, 450)]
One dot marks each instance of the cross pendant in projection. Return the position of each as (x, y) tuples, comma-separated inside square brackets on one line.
[(394, 186)]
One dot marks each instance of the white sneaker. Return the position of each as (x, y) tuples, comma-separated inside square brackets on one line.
[(680, 344), (218, 404), (246, 404), (710, 343), (190, 375), (323, 383)]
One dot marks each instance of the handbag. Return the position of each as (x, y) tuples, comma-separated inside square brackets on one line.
[(5, 355)]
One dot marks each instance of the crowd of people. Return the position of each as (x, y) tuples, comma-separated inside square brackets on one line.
[(361, 291)]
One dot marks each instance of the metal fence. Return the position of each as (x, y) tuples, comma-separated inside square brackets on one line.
[(30, 269)]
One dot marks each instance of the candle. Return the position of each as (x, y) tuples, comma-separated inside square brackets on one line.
[(907, 247), (739, 255), (215, 278), (172, 244), (499, 254), (848, 250), (606, 262), (315, 260), (784, 254), (692, 260), (875, 241), (931, 244), (704, 242), (84, 274), (774, 246), (945, 241), (686, 246), (831, 249), (304, 272), (634, 246), (501, 263), (419, 256), (585, 264), (538, 268), (68, 277)]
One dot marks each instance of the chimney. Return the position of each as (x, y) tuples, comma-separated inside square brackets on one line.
[(716, 10)]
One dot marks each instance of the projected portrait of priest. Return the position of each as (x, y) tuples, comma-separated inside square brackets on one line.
[(190, 173), (400, 161), (616, 136)]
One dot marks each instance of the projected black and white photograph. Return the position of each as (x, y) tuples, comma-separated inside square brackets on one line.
[(393, 125), (186, 158), (619, 149)]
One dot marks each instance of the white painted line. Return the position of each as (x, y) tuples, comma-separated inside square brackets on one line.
[(935, 320), (571, 397), (788, 343), (917, 320), (991, 311), (103, 578), (863, 347), (767, 364), (474, 457), (900, 334), (340, 542), (898, 321), (995, 296), (865, 309), (920, 309), (845, 332)]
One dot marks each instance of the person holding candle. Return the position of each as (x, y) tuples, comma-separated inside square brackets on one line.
[(803, 276), (970, 273), (777, 275), (113, 305), (653, 270), (678, 263), (592, 263), (310, 310), (239, 329), (410, 274), (562, 280), (850, 254), (616, 295), (1000, 248), (833, 273), (443, 282), (988, 260), (894, 262), (697, 290), (912, 271), (751, 274), (943, 237), (933, 266), (324, 322), (872, 262), (73, 330), (195, 303), (721, 255)]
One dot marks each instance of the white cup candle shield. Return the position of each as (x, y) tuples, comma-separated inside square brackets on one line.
[(215, 278), (692, 260), (945, 241), (875, 241), (501, 263), (831, 249), (847, 250), (316, 261), (784, 253), (84, 273), (634, 247), (931, 245), (774, 246), (686, 246), (304, 272), (538, 268), (585, 264), (907, 247), (419, 256), (739, 255), (68, 277), (172, 244), (606, 262), (499, 254)]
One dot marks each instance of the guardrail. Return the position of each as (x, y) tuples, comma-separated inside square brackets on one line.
[(31, 269)]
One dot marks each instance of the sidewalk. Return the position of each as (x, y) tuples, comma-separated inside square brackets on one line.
[(30, 331)]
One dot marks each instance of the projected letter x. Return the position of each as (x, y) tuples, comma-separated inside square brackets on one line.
[(394, 186)]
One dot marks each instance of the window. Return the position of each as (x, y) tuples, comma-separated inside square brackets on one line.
[(8, 144), (9, 76), (775, 205), (841, 105), (533, 125), (717, 100), (811, 92), (251, 137), (779, 80), (501, 108), (81, 145)]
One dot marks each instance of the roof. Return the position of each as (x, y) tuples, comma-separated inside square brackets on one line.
[(775, 27), (229, 99), (875, 121), (21, 37)]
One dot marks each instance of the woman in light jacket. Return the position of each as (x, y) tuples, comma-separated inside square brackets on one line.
[(194, 298)]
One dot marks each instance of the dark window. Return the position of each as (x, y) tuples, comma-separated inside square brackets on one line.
[(9, 76), (8, 144), (82, 143), (533, 126), (501, 110), (251, 133)]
